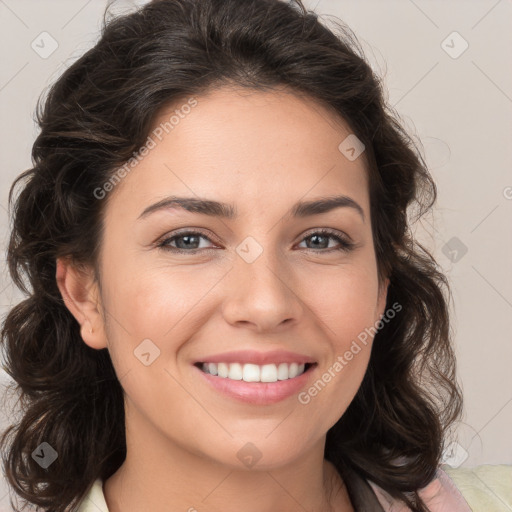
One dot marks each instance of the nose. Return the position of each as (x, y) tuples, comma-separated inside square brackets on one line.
[(262, 294)]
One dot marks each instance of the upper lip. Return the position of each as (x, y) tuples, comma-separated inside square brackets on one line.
[(256, 357)]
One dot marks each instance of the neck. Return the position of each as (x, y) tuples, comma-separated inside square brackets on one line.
[(159, 475)]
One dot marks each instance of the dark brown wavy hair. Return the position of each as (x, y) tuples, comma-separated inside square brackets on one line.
[(96, 115)]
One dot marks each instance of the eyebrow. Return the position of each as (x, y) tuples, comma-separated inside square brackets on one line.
[(228, 211)]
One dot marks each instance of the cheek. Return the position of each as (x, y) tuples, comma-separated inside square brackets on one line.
[(345, 301), (345, 304), (163, 306), (151, 302)]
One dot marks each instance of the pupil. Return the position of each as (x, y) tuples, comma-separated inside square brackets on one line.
[(187, 238), (316, 237)]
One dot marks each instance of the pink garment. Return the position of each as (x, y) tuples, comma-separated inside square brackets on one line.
[(441, 495)]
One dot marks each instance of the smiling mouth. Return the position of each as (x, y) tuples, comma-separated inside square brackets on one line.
[(253, 372)]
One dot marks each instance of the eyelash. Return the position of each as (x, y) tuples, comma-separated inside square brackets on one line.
[(346, 245)]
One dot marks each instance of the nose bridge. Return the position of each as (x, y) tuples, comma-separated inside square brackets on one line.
[(257, 264), (259, 288)]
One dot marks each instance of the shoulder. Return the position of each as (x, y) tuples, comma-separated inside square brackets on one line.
[(485, 487), (461, 490), (94, 500)]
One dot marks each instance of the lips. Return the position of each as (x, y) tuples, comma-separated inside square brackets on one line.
[(256, 377), (255, 357), (256, 393)]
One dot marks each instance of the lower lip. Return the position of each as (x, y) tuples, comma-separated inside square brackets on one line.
[(260, 393)]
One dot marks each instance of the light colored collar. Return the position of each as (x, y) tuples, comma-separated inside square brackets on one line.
[(94, 500), (440, 495)]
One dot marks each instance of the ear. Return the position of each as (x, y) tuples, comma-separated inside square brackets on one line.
[(80, 292), (381, 301)]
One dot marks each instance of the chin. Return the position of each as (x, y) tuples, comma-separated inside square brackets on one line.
[(257, 452)]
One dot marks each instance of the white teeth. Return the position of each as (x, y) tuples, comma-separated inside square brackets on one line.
[(253, 372), (268, 373), (222, 369), (235, 371), (282, 371)]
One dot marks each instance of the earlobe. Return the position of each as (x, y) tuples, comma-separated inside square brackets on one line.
[(80, 294)]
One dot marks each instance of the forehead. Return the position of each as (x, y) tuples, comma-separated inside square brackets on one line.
[(245, 147)]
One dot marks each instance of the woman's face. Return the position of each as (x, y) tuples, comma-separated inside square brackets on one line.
[(261, 287)]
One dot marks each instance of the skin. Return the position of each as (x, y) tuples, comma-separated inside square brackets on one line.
[(261, 151)]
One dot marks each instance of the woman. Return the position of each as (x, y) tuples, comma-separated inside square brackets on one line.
[(227, 310)]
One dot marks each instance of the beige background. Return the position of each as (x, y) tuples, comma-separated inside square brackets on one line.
[(459, 106)]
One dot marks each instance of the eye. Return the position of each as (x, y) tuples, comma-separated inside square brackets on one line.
[(188, 242), (318, 237), (183, 240)]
